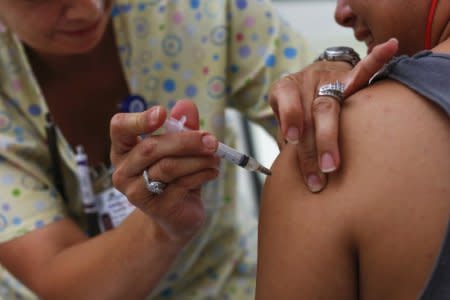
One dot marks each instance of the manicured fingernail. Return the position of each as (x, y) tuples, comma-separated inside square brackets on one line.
[(293, 135), (394, 39), (154, 116), (314, 183), (209, 141), (327, 163)]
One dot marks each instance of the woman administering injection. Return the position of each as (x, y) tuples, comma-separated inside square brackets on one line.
[(77, 60)]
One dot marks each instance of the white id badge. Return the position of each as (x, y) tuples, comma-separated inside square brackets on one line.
[(113, 208)]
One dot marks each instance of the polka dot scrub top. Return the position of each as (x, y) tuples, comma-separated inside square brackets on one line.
[(220, 53)]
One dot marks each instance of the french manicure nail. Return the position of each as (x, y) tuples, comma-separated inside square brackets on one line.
[(314, 183), (209, 141), (327, 163), (154, 116), (293, 135)]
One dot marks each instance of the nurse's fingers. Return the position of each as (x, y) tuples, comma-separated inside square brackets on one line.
[(152, 149), (126, 129)]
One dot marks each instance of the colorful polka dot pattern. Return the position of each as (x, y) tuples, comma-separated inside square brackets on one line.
[(220, 53)]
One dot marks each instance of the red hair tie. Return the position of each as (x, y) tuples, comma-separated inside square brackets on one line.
[(431, 13)]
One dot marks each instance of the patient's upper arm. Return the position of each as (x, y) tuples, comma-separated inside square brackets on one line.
[(377, 228), (304, 251)]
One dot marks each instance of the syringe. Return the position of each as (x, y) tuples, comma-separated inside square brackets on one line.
[(223, 151)]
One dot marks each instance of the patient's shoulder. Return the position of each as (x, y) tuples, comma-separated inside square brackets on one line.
[(386, 208), (396, 171), (394, 146), (391, 138)]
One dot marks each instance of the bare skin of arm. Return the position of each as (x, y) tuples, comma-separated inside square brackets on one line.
[(60, 262), (377, 229)]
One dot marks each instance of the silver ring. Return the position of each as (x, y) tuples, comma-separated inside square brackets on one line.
[(154, 186), (334, 90)]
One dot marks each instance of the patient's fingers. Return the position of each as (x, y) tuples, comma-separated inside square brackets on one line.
[(369, 65)]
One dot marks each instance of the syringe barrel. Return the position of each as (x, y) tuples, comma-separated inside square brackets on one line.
[(232, 155)]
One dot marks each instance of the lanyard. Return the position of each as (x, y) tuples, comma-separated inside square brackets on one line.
[(132, 103), (430, 19), (58, 179)]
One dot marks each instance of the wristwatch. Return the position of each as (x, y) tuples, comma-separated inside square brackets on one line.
[(341, 53)]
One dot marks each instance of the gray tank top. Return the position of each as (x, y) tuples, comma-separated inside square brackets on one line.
[(428, 74)]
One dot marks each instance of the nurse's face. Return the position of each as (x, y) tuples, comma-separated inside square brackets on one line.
[(375, 21), (57, 27)]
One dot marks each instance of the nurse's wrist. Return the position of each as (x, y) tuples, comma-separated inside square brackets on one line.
[(140, 226)]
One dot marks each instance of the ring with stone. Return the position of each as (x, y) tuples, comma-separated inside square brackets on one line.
[(154, 186)]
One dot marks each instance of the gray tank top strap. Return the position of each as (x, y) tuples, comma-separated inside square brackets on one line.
[(428, 74)]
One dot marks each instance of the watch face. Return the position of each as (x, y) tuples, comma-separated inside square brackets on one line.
[(342, 53), (339, 50)]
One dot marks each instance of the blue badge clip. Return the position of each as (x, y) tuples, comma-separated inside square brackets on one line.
[(133, 103)]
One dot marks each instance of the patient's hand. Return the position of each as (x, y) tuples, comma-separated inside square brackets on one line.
[(313, 122)]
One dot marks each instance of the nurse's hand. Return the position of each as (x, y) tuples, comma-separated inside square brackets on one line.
[(183, 160), (313, 122)]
